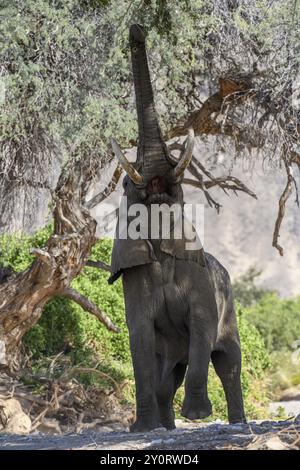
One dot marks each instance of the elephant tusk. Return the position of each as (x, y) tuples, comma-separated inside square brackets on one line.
[(187, 154), (128, 167)]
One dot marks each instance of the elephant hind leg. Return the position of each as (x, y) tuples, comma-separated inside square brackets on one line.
[(227, 364), (167, 385), (179, 373)]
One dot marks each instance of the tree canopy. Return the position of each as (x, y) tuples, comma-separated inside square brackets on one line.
[(231, 68)]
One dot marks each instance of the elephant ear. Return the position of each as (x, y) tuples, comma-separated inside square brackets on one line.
[(183, 248), (128, 253)]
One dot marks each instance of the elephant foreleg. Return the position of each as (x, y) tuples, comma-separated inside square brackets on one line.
[(196, 403), (142, 345)]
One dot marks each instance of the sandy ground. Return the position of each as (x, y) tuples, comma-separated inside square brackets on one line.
[(265, 435)]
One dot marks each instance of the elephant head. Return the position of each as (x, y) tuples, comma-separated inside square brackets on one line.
[(155, 172)]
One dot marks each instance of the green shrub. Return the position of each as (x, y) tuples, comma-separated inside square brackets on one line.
[(277, 320), (64, 324), (284, 372), (245, 288)]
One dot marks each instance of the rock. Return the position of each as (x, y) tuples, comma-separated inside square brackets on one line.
[(297, 419), (49, 426), (19, 424), (156, 442), (274, 443), (236, 427), (291, 394), (118, 427), (218, 421), (169, 441), (12, 418), (160, 429), (290, 408), (106, 429)]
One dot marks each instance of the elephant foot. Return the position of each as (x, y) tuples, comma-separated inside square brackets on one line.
[(237, 420), (196, 409), (168, 423), (144, 425), (167, 418)]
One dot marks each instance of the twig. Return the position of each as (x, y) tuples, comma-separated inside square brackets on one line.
[(107, 191), (53, 404), (51, 367), (89, 370)]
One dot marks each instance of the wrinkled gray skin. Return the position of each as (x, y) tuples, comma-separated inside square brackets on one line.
[(179, 304)]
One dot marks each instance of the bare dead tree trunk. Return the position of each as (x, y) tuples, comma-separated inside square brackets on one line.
[(24, 295)]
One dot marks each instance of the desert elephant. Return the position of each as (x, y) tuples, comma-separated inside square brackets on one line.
[(179, 303)]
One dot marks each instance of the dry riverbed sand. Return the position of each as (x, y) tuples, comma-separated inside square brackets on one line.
[(270, 435), (32, 422)]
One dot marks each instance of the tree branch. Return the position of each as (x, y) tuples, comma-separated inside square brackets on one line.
[(282, 204), (98, 264), (90, 307), (295, 158), (107, 191), (230, 182), (226, 182), (230, 90)]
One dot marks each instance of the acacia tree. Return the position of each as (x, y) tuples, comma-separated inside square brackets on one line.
[(228, 69)]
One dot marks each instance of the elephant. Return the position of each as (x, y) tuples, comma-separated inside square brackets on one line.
[(179, 302)]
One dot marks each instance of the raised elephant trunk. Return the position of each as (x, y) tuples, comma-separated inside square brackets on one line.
[(152, 151), (152, 157)]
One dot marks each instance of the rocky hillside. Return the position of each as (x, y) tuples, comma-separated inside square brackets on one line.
[(241, 235)]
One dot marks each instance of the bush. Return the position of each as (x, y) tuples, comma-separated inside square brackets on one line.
[(285, 372), (277, 320), (64, 326), (255, 364), (245, 289)]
